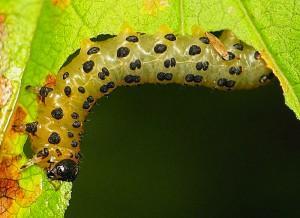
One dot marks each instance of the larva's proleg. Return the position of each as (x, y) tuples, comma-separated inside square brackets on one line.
[(99, 66)]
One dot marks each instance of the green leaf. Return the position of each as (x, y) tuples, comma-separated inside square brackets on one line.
[(51, 30), (27, 193)]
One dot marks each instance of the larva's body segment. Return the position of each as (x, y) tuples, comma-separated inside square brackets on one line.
[(131, 59)]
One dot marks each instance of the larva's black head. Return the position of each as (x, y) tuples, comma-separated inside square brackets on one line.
[(65, 170)]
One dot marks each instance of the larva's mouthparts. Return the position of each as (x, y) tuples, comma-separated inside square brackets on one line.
[(105, 62)]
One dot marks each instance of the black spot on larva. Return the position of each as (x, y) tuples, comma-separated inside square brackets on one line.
[(257, 55), (135, 64), (194, 50), (221, 82), (74, 144), (46, 152), (65, 75), (137, 79), (205, 65), (43, 153), (40, 153), (103, 88), (235, 70), (173, 62), (204, 40), (132, 39), (167, 63), (93, 50), (57, 113), (54, 138), (70, 135), (31, 127), (238, 46), (198, 78), (101, 75), (76, 124), (90, 99), (161, 76), (170, 37), (105, 71), (102, 37), (75, 115), (129, 79), (111, 85), (132, 65), (132, 78), (199, 65), (231, 56), (122, 52), (58, 152), (160, 48), (44, 91), (67, 91), (229, 83), (70, 58), (189, 78), (168, 76), (88, 66), (86, 105), (138, 63), (81, 89)]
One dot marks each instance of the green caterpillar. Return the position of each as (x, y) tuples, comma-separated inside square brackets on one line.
[(131, 58)]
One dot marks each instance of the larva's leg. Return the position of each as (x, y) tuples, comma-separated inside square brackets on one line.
[(31, 162), (32, 89), (42, 92), (29, 128), (19, 128), (37, 158)]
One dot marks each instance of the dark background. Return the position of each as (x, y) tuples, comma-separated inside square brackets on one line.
[(172, 151)]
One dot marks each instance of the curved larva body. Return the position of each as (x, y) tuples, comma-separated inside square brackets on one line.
[(132, 59)]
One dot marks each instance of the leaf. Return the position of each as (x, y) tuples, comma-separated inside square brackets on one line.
[(27, 193), (51, 30)]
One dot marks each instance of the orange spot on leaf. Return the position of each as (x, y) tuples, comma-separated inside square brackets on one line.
[(62, 4), (5, 89), (2, 18), (10, 190), (18, 121)]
